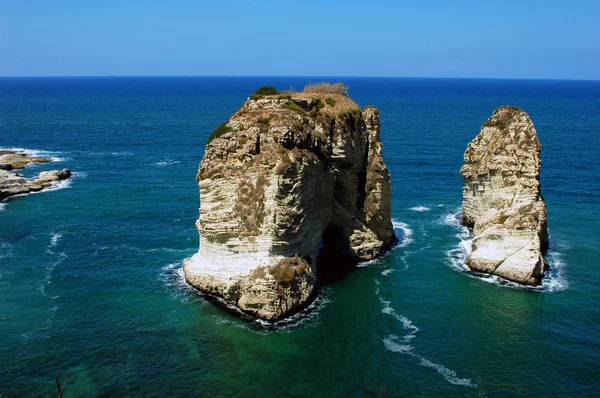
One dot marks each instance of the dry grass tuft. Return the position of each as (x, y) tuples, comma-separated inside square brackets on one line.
[(326, 87), (286, 270)]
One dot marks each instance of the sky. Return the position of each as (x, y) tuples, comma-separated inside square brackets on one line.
[(453, 38)]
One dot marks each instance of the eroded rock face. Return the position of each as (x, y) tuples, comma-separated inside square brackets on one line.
[(284, 179), (502, 200)]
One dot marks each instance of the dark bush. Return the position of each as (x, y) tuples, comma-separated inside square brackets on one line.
[(318, 103), (265, 90), (219, 131), (330, 101), (263, 120)]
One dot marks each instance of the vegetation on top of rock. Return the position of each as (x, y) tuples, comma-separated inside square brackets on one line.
[(294, 107), (316, 102), (502, 117), (326, 87), (219, 131), (330, 101), (264, 90)]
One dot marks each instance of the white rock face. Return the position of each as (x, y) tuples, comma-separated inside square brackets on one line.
[(15, 184), (502, 200), (285, 178)]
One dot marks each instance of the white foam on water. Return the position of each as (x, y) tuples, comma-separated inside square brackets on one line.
[(2, 206), (173, 278), (56, 185), (54, 239), (406, 232), (387, 272), (420, 208), (400, 344), (448, 374), (369, 263), (400, 229), (554, 279), (54, 156), (391, 344)]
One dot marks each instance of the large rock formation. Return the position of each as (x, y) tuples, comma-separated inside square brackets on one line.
[(502, 200), (16, 184), (285, 180)]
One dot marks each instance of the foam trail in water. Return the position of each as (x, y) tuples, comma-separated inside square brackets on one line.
[(553, 281), (404, 230), (420, 208), (2, 206), (401, 344)]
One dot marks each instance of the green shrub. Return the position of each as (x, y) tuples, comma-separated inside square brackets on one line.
[(318, 103), (330, 101), (263, 120), (219, 131), (264, 90), (298, 126)]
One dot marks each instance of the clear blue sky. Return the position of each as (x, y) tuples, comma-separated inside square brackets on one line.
[(468, 38)]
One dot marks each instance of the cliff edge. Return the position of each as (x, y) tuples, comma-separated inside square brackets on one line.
[(502, 200), (287, 179)]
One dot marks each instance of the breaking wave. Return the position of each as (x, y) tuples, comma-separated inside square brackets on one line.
[(403, 230)]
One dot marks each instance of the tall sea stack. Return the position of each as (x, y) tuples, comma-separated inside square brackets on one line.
[(287, 180), (502, 200)]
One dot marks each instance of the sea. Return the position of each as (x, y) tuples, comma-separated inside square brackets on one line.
[(91, 284)]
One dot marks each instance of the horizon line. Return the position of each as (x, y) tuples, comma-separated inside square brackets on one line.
[(298, 76)]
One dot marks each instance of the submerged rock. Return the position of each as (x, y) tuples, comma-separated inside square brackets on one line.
[(502, 200), (288, 180)]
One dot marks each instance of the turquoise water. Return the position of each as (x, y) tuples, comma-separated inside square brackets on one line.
[(91, 287)]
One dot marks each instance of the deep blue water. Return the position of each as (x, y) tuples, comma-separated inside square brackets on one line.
[(91, 287)]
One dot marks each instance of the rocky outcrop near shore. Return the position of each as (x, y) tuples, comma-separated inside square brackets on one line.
[(11, 160), (502, 200), (16, 184), (286, 179)]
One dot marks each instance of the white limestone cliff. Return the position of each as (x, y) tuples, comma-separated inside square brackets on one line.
[(502, 200), (286, 178)]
